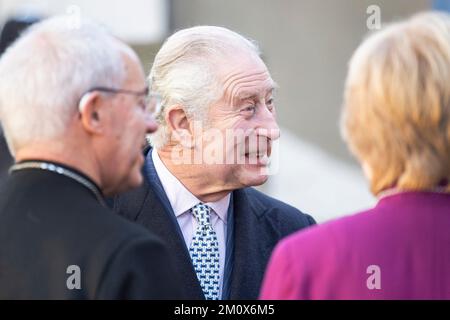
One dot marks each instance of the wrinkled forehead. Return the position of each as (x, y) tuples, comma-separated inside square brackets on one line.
[(243, 76)]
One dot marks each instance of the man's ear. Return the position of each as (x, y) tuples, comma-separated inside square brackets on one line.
[(179, 125), (91, 112)]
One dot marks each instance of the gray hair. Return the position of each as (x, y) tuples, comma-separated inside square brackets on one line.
[(184, 71), (45, 73)]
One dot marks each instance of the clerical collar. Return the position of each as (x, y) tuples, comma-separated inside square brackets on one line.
[(62, 170)]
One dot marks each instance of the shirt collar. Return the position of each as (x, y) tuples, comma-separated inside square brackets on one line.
[(180, 198)]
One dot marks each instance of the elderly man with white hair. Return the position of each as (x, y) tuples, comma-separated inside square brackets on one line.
[(217, 125), (74, 113)]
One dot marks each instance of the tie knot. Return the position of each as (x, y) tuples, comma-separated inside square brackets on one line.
[(202, 213)]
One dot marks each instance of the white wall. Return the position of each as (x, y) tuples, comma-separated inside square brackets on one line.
[(134, 21)]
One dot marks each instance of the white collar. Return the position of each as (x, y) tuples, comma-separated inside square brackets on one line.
[(180, 198)]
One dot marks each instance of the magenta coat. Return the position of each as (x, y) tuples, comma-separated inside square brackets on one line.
[(400, 249)]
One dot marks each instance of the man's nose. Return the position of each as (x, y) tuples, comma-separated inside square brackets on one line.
[(269, 126)]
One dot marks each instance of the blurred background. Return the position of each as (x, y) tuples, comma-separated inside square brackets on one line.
[(306, 45)]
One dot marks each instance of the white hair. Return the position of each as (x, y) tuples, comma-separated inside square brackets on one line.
[(184, 71), (46, 71)]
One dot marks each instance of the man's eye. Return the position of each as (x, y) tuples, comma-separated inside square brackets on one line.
[(270, 103), (251, 108)]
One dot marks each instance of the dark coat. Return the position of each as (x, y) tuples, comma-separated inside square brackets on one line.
[(49, 222)]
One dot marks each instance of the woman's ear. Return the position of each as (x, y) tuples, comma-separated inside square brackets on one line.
[(91, 113), (179, 126)]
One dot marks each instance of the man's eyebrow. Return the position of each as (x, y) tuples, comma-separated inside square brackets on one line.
[(245, 94)]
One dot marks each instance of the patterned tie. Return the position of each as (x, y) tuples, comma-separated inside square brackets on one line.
[(204, 251)]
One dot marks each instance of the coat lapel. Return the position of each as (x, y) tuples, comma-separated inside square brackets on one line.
[(251, 250)]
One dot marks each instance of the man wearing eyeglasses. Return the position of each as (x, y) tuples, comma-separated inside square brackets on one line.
[(74, 112), (217, 126)]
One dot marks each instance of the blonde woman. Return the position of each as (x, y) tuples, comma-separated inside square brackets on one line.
[(396, 120)]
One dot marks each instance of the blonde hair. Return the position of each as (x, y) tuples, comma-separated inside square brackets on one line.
[(397, 104)]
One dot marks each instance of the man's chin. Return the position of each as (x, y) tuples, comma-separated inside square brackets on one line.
[(261, 179), (254, 179)]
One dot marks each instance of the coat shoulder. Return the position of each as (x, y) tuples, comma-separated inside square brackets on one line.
[(269, 207)]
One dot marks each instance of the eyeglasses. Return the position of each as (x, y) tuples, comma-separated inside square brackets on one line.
[(151, 102)]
